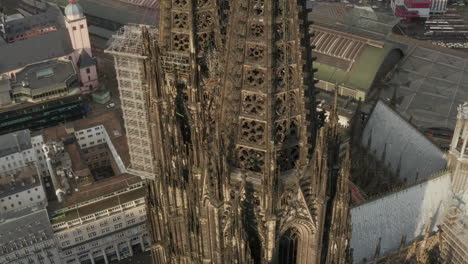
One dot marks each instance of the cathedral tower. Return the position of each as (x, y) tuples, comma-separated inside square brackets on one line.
[(239, 173)]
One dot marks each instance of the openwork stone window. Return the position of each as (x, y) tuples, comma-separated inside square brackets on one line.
[(257, 30), (205, 40), (179, 3), (282, 31), (285, 103), (283, 8), (251, 159), (201, 3), (285, 76), (180, 20), (254, 77), (253, 104), (288, 247), (252, 131), (180, 42), (286, 158), (286, 130), (284, 53), (258, 7), (204, 20), (256, 53)]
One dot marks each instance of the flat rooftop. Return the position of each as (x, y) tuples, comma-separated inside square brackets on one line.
[(111, 120), (43, 20), (26, 178), (117, 11), (45, 75), (21, 228), (39, 48), (430, 85), (99, 189), (15, 142)]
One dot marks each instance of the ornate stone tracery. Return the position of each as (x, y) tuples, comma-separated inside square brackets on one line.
[(253, 103), (253, 131), (180, 42), (251, 159)]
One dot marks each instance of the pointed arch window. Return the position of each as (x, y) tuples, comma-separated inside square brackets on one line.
[(288, 247)]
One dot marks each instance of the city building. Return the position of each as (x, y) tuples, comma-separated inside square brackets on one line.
[(25, 232), (36, 116), (409, 10), (108, 224), (65, 196), (46, 36), (97, 210), (46, 66), (26, 237)]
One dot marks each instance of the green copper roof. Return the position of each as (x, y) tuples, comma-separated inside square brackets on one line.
[(362, 73)]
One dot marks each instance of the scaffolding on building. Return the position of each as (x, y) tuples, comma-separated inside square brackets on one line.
[(128, 51), (455, 237)]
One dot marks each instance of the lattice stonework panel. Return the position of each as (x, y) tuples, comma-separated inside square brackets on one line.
[(257, 30), (286, 158), (205, 40), (180, 20), (202, 3), (180, 42), (180, 3), (251, 159), (252, 131), (285, 76), (253, 104), (204, 20), (282, 8), (254, 77), (286, 103), (282, 31), (256, 53), (286, 131), (258, 7), (284, 53)]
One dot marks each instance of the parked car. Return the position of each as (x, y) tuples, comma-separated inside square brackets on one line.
[(439, 132)]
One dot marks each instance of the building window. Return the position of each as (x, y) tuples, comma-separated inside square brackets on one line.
[(89, 78), (88, 70), (81, 26), (93, 234), (117, 226), (74, 28)]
